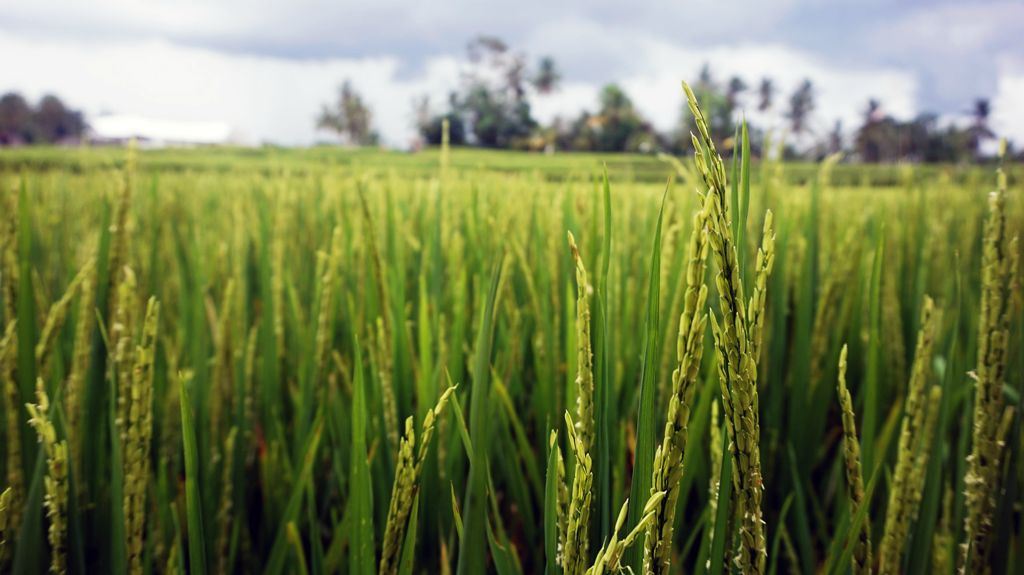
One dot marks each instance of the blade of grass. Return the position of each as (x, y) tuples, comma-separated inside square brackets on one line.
[(472, 551), (193, 503)]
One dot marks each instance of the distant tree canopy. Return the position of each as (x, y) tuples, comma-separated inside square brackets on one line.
[(491, 108), (349, 118), (48, 122), (616, 127)]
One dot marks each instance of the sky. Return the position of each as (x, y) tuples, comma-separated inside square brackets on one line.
[(265, 67)]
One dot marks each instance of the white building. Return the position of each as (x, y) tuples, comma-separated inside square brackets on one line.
[(154, 133)]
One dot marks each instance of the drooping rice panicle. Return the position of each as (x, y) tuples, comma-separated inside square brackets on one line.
[(56, 481), (854, 474), (998, 284), (668, 462), (735, 341), (903, 499)]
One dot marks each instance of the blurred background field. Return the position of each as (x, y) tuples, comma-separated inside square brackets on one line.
[(312, 300)]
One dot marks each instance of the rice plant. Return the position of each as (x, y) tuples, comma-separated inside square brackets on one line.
[(235, 361)]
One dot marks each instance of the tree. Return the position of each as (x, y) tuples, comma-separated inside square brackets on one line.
[(619, 126), (801, 104), (349, 118), (835, 138), (616, 127), (765, 94), (979, 129), (50, 121), (55, 122), (16, 121), (547, 77), (431, 125), (735, 87), (491, 108)]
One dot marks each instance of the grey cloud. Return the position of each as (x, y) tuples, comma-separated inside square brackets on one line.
[(594, 41)]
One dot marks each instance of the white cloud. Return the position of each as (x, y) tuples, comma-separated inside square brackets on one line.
[(654, 83), (1007, 111), (277, 99), (262, 98)]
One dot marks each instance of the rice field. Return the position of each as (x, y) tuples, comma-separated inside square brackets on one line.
[(465, 362)]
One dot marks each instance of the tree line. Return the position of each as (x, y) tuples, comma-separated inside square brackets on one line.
[(49, 121), (491, 108)]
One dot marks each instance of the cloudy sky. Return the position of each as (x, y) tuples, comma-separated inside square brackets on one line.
[(265, 67)]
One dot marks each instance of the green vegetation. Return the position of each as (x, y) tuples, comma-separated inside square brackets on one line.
[(284, 361)]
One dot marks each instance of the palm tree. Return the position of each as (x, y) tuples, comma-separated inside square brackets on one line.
[(766, 92), (350, 118), (547, 78), (801, 104), (979, 129), (735, 87)]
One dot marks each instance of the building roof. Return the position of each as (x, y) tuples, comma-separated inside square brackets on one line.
[(127, 127)]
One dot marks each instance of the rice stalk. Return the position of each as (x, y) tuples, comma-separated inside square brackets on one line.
[(737, 343), (85, 320), (407, 484), (668, 461), (57, 315), (830, 295), (609, 557), (56, 480), (577, 539), (138, 430), (942, 542), (714, 482), (5, 504), (225, 511), (584, 354), (122, 329), (9, 257), (998, 285), (223, 369), (10, 397), (854, 474), (904, 494), (325, 317), (561, 497), (381, 357)]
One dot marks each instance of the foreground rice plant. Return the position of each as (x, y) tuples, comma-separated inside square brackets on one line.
[(364, 364)]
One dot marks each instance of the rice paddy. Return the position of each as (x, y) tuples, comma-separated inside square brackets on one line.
[(465, 362)]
